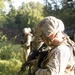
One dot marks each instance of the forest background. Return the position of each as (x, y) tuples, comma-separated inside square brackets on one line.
[(27, 15)]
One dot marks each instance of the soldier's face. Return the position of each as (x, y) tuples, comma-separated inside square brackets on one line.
[(51, 41), (46, 40), (57, 39)]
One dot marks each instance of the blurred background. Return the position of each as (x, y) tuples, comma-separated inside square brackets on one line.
[(18, 14)]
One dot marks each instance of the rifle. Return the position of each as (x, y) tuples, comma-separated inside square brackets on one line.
[(31, 57)]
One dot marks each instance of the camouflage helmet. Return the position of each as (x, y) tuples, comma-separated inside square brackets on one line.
[(49, 25), (29, 29), (26, 30)]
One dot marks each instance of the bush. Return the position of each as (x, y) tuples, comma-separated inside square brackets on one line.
[(10, 67), (11, 58), (10, 50)]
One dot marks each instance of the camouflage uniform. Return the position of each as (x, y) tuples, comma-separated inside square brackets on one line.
[(57, 60), (27, 43), (60, 60), (36, 43)]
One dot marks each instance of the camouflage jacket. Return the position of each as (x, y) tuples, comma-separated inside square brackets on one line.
[(59, 61)]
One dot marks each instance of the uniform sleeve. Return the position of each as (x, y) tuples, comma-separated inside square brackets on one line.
[(29, 39), (57, 63)]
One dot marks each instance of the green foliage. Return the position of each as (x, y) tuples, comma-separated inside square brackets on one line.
[(61, 9), (1, 4), (11, 57), (9, 50), (27, 15), (2, 20), (10, 67)]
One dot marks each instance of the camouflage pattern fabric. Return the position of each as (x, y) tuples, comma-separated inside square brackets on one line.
[(49, 25), (58, 62), (27, 45)]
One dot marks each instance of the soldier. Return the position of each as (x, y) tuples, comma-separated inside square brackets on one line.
[(59, 60), (27, 42)]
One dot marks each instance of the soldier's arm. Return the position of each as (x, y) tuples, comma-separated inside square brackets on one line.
[(56, 64), (29, 39)]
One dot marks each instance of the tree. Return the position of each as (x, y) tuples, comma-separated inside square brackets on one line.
[(63, 10), (29, 14)]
